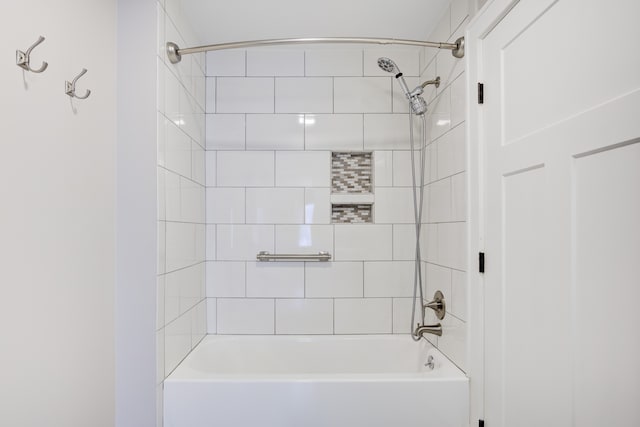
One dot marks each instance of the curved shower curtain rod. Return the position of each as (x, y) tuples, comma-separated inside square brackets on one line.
[(174, 52)]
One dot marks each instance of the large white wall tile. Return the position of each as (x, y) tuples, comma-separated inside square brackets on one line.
[(244, 95), (452, 152), (333, 132), (275, 132), (333, 62), (459, 197), (453, 341), (459, 11), (304, 316), (294, 239), (406, 59), (177, 151), (439, 201), (388, 279), (304, 95), (177, 342), (363, 316), (452, 245), (303, 169), (363, 95), (383, 168), (225, 131), (182, 248), (275, 205), (458, 298), (402, 174), (317, 206), (245, 316), (275, 279), (198, 163), (404, 242), (211, 316), (210, 103), (447, 66), (226, 63), (192, 203), (210, 168), (402, 315), (357, 242), (458, 100), (440, 114), (334, 280), (270, 62), (245, 168), (225, 205), (388, 132), (243, 242), (210, 242), (437, 278), (225, 279), (394, 206)]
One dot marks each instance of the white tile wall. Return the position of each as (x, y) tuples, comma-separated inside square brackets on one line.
[(285, 111), (245, 168), (445, 233), (304, 95), (388, 279), (226, 279), (275, 205), (225, 131), (317, 206), (244, 95), (303, 169), (334, 280), (275, 279), (363, 316), (225, 205), (275, 131), (339, 132), (292, 239), (363, 94), (245, 316), (243, 242), (394, 205), (333, 62), (304, 316), (226, 63), (357, 242), (270, 62)]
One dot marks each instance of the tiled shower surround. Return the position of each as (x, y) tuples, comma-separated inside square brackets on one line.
[(273, 119)]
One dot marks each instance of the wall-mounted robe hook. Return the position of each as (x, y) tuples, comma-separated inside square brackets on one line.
[(23, 58), (70, 87)]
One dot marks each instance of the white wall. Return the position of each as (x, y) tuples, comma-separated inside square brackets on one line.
[(57, 217), (445, 229), (181, 306)]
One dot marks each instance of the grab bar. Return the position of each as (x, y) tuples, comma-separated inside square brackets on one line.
[(266, 256)]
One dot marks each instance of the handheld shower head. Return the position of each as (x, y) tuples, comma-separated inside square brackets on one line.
[(388, 65), (418, 104)]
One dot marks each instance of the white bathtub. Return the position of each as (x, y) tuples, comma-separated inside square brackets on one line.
[(315, 381)]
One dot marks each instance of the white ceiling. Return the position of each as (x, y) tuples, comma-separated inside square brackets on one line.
[(217, 21)]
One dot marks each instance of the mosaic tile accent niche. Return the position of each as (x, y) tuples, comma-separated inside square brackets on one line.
[(351, 173), (350, 214)]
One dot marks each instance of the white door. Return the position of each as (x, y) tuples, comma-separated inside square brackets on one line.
[(561, 143)]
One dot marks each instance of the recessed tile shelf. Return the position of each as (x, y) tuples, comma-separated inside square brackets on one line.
[(351, 187), (350, 214), (351, 173)]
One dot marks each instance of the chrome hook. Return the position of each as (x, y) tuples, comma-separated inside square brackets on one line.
[(23, 58), (70, 87)]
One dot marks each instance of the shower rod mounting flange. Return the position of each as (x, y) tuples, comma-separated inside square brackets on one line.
[(174, 52)]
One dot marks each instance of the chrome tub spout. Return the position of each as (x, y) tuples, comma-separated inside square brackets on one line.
[(427, 329)]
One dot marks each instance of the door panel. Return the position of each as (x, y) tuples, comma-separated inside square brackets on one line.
[(562, 187)]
